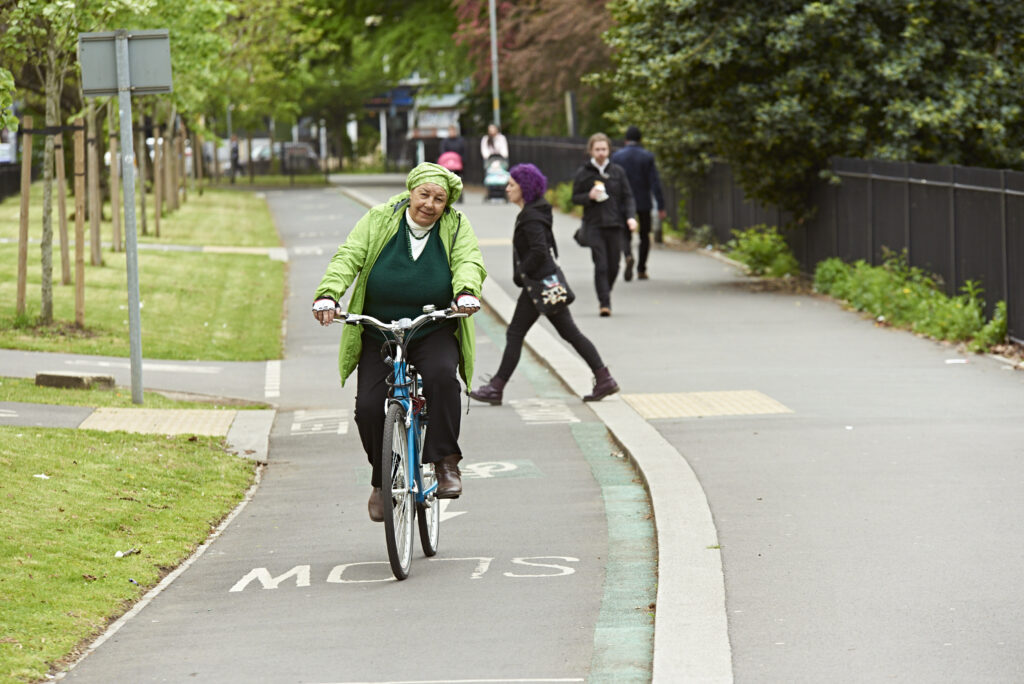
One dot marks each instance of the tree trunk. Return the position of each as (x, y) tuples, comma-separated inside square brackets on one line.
[(170, 192), (142, 157), (53, 89), (115, 174)]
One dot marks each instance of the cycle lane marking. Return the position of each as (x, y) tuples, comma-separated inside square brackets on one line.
[(301, 576), (515, 680)]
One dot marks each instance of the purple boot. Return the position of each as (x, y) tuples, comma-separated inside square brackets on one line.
[(604, 384), (491, 392)]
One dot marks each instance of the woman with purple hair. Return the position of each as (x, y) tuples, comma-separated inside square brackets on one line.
[(533, 254)]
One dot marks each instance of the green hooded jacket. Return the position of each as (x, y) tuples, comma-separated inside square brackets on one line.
[(359, 252)]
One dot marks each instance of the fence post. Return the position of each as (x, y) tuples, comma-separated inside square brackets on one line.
[(26, 183), (1005, 237), (142, 159), (952, 287), (906, 210), (871, 215), (80, 223)]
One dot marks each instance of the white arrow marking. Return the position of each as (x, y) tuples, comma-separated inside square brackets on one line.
[(445, 513)]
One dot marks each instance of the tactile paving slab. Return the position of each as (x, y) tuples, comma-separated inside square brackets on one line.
[(700, 404), (160, 421)]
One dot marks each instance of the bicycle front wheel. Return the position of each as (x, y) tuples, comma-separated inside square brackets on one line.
[(428, 513), (397, 497)]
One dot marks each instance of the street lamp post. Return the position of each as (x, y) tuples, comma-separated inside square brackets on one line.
[(495, 94)]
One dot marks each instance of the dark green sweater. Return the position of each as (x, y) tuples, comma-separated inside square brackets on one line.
[(399, 287)]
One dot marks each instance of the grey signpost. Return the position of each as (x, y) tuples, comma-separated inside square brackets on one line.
[(124, 63)]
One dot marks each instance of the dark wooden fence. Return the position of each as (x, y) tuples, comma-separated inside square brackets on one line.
[(10, 180), (961, 223)]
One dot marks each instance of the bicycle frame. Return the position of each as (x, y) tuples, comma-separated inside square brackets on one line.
[(405, 388)]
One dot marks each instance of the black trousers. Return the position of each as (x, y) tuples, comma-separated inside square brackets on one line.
[(436, 358), (605, 251), (523, 319), (644, 219)]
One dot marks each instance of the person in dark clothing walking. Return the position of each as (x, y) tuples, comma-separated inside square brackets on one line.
[(603, 190), (533, 254), (642, 173)]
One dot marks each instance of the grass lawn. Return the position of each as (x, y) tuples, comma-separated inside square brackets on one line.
[(60, 582), (26, 390), (220, 216), (195, 305)]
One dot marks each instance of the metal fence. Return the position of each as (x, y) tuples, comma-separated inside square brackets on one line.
[(960, 223), (558, 158), (10, 180)]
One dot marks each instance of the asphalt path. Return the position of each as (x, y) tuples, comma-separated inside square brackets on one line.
[(546, 569), (869, 528), (864, 482)]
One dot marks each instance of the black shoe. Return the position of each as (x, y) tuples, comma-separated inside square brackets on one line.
[(628, 275), (641, 275), (604, 384), (490, 393)]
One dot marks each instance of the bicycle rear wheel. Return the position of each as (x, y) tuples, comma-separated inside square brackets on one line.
[(397, 498), (428, 513)]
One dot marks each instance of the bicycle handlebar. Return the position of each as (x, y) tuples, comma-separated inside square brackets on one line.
[(402, 325)]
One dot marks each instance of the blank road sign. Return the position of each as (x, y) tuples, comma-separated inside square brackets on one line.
[(149, 62)]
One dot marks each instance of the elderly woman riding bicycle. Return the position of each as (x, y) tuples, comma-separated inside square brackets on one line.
[(416, 249)]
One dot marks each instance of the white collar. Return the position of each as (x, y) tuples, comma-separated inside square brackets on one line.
[(414, 226), (600, 167)]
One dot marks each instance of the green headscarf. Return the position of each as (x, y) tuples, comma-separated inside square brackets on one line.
[(434, 173)]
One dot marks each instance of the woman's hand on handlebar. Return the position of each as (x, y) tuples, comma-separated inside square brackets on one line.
[(323, 310), (466, 304)]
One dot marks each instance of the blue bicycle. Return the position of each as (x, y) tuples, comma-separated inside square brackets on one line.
[(408, 486)]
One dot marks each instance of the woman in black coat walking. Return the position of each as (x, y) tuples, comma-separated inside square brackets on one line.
[(602, 188), (533, 254)]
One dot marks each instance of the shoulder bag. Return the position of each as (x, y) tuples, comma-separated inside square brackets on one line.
[(551, 293)]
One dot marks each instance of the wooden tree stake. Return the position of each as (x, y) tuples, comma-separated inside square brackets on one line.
[(80, 225), (62, 210), (26, 182)]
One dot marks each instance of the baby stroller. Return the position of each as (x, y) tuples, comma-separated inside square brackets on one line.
[(495, 178)]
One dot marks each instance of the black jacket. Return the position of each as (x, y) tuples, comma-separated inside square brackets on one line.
[(619, 206), (533, 241), (642, 173), (457, 145)]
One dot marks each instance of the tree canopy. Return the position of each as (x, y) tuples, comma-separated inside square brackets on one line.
[(776, 88)]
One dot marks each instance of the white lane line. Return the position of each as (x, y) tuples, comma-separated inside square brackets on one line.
[(148, 366), (526, 680), (7, 413), (272, 381), (316, 422)]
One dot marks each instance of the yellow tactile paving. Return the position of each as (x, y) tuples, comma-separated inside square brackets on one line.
[(697, 404), (160, 421)]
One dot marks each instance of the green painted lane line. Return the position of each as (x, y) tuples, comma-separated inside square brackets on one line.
[(624, 634)]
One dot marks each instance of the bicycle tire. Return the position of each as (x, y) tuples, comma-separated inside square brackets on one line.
[(397, 498), (428, 513)]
